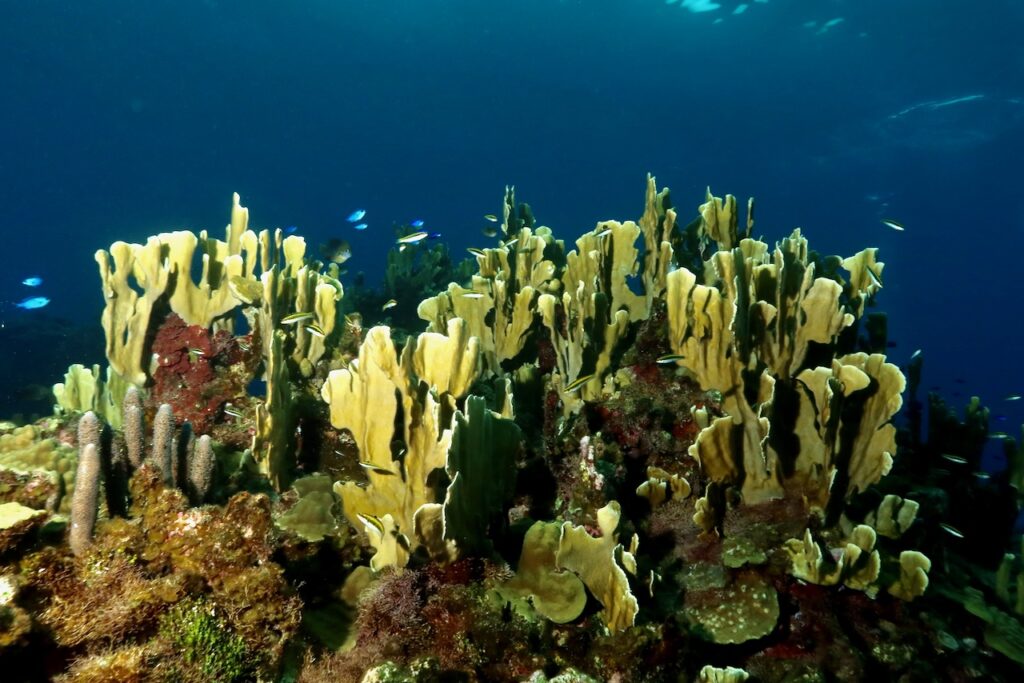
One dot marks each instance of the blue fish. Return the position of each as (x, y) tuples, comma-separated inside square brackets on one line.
[(291, 229), (417, 223), (356, 215), (34, 302), (361, 226), (434, 236), (32, 281)]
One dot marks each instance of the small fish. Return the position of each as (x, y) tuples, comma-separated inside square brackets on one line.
[(999, 436), (34, 302), (361, 226), (32, 281), (670, 358), (895, 225), (511, 242), (874, 278), (233, 413), (370, 520), (955, 458), (376, 470), (336, 250), (418, 223), (915, 354), (244, 345), (604, 233), (196, 352), (1012, 397), (290, 230), (293, 318), (433, 235), (413, 238), (489, 231), (391, 303), (315, 330), (982, 476), (477, 252), (356, 215), (491, 217), (472, 295), (578, 382), (951, 530), (1001, 418)]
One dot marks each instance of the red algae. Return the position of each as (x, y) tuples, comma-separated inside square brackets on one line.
[(198, 372)]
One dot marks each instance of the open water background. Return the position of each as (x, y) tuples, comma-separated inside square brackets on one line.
[(120, 119)]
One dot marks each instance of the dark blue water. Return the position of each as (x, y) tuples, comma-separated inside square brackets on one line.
[(121, 119)]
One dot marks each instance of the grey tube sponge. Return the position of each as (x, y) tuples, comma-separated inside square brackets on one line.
[(163, 443), (89, 431), (200, 469), (133, 427), (83, 502)]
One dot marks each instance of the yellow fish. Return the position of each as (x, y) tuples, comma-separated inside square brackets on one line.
[(376, 470), (578, 382), (293, 318), (413, 238)]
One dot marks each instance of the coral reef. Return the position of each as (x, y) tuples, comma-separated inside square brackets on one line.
[(668, 452)]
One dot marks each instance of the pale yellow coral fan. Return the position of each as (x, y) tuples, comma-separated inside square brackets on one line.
[(720, 220), (505, 289), (448, 362), (601, 564), (856, 563), (126, 315), (748, 336), (894, 516), (865, 276), (398, 455), (84, 389), (555, 595), (913, 581), (834, 459), (138, 276)]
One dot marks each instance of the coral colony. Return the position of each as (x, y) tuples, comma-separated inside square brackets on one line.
[(667, 452)]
